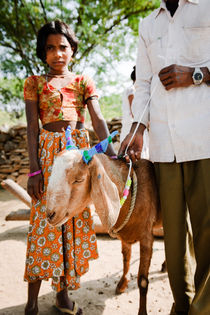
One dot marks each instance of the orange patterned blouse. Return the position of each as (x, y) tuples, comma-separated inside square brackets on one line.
[(68, 103)]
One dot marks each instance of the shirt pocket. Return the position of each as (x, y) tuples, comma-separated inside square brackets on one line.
[(196, 44)]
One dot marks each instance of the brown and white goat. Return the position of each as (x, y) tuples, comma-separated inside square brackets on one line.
[(73, 185)]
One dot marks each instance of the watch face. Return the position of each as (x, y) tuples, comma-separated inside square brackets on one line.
[(198, 76)]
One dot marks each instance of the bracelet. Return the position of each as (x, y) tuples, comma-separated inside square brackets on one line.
[(34, 173), (114, 157)]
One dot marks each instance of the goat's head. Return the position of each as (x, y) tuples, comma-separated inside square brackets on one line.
[(74, 184), (68, 191)]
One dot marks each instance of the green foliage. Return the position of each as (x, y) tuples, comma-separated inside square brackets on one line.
[(102, 26), (9, 119), (11, 96), (111, 106)]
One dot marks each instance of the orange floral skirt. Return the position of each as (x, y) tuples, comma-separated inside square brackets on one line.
[(61, 253)]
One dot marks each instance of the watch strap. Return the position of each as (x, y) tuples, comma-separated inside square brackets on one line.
[(208, 82)]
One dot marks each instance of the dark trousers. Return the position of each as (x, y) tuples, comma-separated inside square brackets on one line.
[(185, 187)]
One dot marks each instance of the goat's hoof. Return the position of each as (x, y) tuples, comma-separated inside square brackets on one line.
[(122, 285), (164, 267)]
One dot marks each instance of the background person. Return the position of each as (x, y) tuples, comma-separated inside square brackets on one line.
[(127, 115)]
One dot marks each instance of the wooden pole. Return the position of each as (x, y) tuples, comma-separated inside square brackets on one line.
[(17, 190), (19, 215)]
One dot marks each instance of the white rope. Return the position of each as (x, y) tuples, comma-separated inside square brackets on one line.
[(139, 121), (114, 232), (129, 171)]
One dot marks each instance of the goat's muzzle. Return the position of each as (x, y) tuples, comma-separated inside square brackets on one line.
[(50, 216)]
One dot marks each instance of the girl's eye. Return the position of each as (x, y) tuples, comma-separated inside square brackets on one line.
[(49, 48), (63, 47)]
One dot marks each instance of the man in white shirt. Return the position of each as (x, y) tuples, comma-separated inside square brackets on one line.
[(172, 78)]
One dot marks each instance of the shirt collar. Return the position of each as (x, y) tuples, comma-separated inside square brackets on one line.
[(163, 5)]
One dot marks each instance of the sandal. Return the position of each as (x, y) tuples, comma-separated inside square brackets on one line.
[(68, 311)]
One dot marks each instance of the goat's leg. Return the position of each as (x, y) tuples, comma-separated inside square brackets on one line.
[(164, 266), (126, 252), (145, 259)]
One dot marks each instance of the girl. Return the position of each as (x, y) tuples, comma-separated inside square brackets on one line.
[(58, 98)]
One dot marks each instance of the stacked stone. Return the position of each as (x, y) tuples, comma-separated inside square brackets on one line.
[(113, 125), (14, 160)]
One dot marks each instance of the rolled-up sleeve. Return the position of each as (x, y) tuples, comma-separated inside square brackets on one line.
[(143, 80)]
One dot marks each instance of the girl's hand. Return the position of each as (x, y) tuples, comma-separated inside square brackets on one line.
[(35, 187)]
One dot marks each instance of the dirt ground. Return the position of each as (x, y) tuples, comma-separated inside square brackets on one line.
[(97, 293)]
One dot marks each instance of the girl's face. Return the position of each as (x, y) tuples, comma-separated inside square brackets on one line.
[(58, 52)]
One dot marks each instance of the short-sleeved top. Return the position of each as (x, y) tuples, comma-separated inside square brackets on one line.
[(126, 108), (68, 103)]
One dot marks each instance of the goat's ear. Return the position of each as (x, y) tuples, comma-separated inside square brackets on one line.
[(104, 194)]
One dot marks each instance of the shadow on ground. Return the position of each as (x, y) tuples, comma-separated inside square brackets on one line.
[(104, 289), (93, 294)]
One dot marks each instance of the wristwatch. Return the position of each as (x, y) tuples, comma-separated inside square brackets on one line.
[(197, 76)]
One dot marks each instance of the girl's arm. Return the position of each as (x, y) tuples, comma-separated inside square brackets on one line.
[(35, 183), (99, 124)]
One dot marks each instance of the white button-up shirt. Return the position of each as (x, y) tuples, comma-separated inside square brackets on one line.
[(179, 118)]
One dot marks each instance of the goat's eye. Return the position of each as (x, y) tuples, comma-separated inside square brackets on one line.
[(79, 180)]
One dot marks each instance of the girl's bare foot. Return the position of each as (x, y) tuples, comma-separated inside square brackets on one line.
[(64, 302), (31, 310), (32, 303)]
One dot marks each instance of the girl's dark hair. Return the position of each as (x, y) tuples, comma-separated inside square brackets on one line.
[(54, 27), (133, 74)]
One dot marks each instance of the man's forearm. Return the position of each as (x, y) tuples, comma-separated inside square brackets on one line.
[(206, 75), (141, 127), (176, 76)]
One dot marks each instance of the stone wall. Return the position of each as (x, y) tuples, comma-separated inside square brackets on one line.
[(14, 160)]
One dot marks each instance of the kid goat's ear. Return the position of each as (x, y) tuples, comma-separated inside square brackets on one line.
[(104, 194)]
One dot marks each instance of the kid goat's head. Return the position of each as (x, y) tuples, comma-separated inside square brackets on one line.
[(74, 183), (69, 187)]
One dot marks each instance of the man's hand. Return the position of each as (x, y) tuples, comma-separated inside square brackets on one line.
[(135, 147), (175, 76)]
